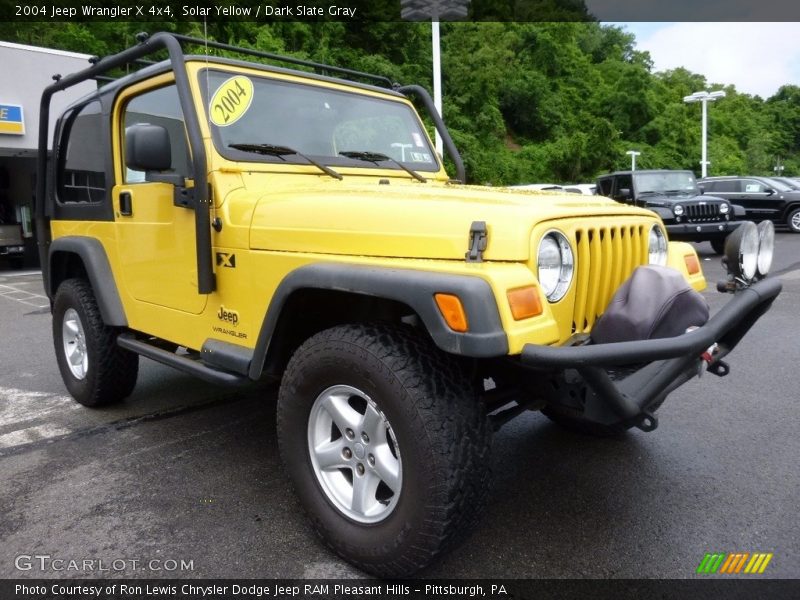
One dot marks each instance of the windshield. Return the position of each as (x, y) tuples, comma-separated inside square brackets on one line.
[(314, 121), (667, 182)]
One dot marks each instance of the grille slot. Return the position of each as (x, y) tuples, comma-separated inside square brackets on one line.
[(702, 213), (606, 256)]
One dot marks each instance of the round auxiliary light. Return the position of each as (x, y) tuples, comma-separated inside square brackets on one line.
[(677, 210), (657, 246), (766, 247), (556, 265), (741, 251)]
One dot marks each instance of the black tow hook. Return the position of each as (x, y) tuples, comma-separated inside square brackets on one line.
[(720, 368), (714, 365), (647, 421)]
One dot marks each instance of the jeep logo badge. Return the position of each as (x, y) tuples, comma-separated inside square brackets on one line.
[(228, 316)]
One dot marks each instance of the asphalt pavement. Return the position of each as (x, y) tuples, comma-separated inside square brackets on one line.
[(184, 480)]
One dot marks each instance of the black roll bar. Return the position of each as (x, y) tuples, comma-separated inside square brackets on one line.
[(172, 43), (322, 68), (148, 45), (421, 93)]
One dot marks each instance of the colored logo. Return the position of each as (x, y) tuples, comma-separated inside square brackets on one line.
[(734, 563), (11, 120)]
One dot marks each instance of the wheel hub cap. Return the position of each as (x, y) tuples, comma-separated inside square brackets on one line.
[(74, 340), (359, 451), (362, 479)]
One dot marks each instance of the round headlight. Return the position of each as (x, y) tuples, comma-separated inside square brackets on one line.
[(724, 208), (556, 265), (657, 246), (741, 251), (677, 210), (766, 246)]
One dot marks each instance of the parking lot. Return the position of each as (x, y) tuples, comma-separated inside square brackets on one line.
[(184, 480)]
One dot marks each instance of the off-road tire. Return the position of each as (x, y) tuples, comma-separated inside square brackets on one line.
[(793, 220), (111, 372), (442, 433)]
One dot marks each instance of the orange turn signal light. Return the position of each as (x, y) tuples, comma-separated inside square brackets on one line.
[(692, 264), (525, 302), (452, 311)]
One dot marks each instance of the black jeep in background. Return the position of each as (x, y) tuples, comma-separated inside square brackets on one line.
[(675, 196), (761, 197)]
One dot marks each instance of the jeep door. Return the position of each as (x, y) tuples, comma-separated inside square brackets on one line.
[(155, 238)]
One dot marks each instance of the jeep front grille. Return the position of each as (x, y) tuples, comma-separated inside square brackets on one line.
[(605, 257), (702, 213)]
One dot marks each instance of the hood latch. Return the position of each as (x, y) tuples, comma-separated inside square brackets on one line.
[(478, 238)]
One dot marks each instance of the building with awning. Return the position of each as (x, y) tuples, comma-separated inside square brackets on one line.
[(24, 72)]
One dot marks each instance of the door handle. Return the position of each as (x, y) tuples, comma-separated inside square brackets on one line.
[(125, 204)]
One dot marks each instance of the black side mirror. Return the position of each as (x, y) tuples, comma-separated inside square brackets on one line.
[(623, 194), (769, 191), (147, 148), (702, 189)]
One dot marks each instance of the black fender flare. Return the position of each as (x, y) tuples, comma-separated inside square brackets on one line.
[(485, 338), (98, 269), (664, 212)]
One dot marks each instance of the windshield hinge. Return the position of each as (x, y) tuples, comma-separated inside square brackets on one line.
[(477, 241), (183, 197)]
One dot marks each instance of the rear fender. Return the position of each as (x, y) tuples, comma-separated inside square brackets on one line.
[(93, 262)]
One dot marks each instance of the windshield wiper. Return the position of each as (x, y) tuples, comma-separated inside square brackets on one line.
[(280, 152), (376, 157)]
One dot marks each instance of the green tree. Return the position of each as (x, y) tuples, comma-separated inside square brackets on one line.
[(526, 101)]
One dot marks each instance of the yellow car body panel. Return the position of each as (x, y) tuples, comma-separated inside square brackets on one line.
[(277, 218), (240, 222)]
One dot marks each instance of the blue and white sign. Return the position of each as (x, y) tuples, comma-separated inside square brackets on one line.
[(11, 119)]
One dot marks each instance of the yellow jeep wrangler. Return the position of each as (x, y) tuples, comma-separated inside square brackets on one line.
[(240, 221)]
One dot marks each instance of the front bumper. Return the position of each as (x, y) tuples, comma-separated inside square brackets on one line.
[(700, 231), (670, 362)]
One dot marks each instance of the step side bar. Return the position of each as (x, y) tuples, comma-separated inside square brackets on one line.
[(187, 365)]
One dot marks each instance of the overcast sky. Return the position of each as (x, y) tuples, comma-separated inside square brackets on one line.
[(757, 58)]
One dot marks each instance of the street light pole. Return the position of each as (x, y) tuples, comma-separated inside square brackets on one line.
[(704, 98), (437, 78), (633, 154), (435, 10)]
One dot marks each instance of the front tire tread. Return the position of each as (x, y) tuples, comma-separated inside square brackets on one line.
[(450, 420), (112, 371)]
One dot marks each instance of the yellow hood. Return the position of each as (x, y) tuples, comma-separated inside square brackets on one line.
[(407, 219)]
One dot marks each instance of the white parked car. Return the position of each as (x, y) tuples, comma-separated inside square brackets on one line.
[(587, 189), (541, 187)]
